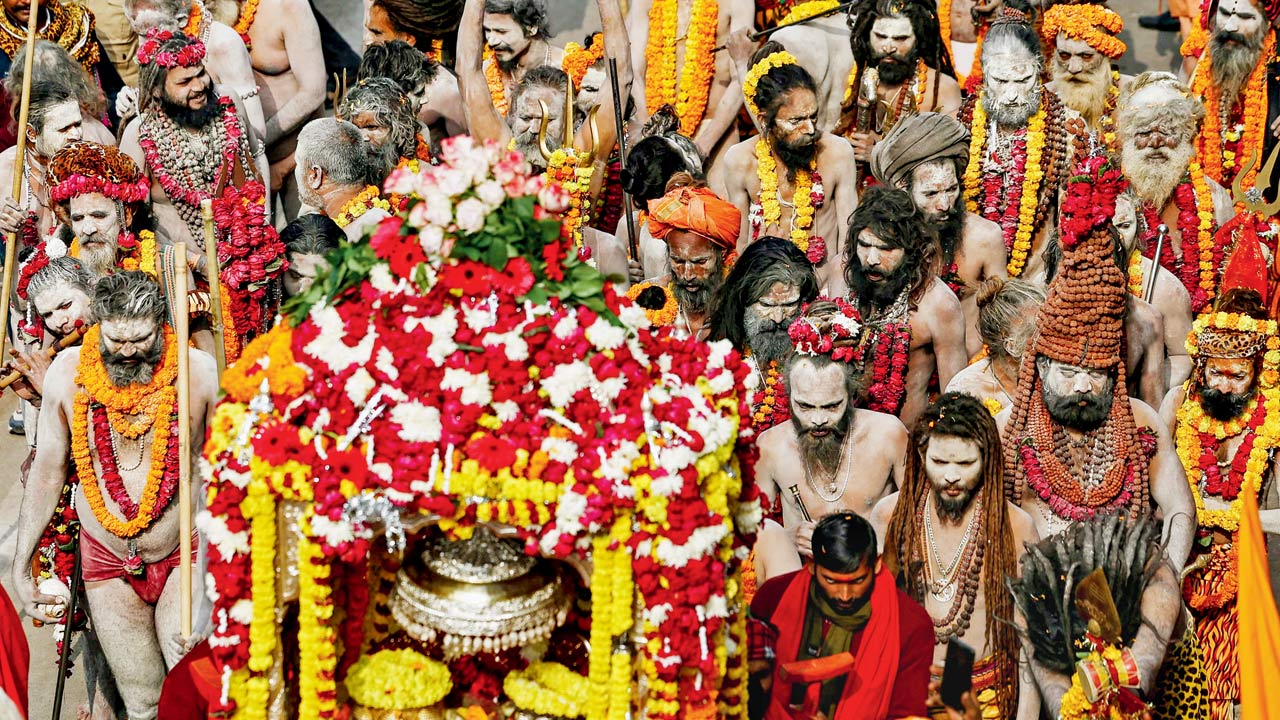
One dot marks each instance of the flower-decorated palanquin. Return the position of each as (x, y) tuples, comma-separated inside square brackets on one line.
[(464, 367)]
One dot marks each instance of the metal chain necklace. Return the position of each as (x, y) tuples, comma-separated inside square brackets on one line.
[(943, 586), (831, 484)]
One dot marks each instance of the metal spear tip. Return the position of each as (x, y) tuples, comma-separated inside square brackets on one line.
[(1163, 229)]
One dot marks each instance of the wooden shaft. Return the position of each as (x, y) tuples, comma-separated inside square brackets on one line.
[(13, 376), (181, 315), (24, 109), (213, 273), (633, 242)]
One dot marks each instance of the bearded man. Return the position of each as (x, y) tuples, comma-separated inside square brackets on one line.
[(698, 229), (516, 40), (1220, 422), (53, 120), (383, 114), (761, 296), (915, 327), (925, 155), (822, 47), (900, 68), (227, 59), (1084, 50), (844, 602), (129, 546), (1232, 81), (849, 457), (1157, 122), (1024, 141), (796, 179), (704, 90), (951, 539), (1076, 445), (335, 169), (539, 86)]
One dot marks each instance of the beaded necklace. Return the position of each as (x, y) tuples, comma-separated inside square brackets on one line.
[(962, 577)]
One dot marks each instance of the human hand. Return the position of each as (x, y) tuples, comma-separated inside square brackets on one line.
[(33, 367), (127, 102), (12, 217), (804, 538), (45, 608), (635, 271), (189, 643), (740, 46), (863, 143)]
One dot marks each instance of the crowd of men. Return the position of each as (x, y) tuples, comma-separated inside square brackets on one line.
[(884, 205)]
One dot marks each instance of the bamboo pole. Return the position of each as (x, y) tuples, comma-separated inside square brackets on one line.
[(24, 109), (181, 318), (13, 376), (213, 273)]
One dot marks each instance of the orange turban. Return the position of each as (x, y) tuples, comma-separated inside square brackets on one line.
[(696, 210)]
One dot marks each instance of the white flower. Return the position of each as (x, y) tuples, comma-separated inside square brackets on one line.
[(506, 410), (657, 614), (229, 544), (606, 336), (491, 193), (560, 450), (383, 281), (476, 389), (418, 422), (471, 213), (437, 210), (479, 316), (329, 346), (721, 382), (400, 182), (634, 316), (720, 350), (553, 198), (442, 328), (242, 611), (566, 327), (702, 542), (359, 385), (451, 183), (565, 382), (515, 347), (431, 238), (333, 532), (386, 363)]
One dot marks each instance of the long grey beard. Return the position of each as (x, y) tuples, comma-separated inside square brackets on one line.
[(1011, 115), (1155, 182), (1232, 67), (125, 375), (99, 263), (1087, 98)]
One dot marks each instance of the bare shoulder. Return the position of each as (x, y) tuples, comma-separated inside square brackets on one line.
[(60, 378), (883, 512), (1143, 414), (982, 234), (741, 155), (940, 298), (882, 428), (222, 38), (1023, 527), (1172, 401), (774, 438), (834, 152), (972, 380)]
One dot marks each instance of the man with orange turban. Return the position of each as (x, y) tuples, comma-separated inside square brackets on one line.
[(1083, 51), (699, 229)]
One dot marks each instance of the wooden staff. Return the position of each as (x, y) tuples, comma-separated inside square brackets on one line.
[(213, 273), (13, 376), (633, 242), (24, 109), (181, 318), (64, 657)]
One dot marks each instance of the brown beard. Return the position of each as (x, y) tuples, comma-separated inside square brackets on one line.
[(822, 455), (1232, 64), (1155, 182), (1089, 98)]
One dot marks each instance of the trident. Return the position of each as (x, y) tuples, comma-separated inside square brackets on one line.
[(593, 129), (1252, 198)]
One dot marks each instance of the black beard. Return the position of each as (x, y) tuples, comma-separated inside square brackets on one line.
[(796, 157), (696, 300), (950, 229), (895, 69), (767, 340), (185, 117), (124, 374), (880, 295), (1066, 410), (1223, 406), (952, 509), (822, 453)]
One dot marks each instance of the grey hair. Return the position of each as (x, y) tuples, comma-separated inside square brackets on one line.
[(53, 61), (1185, 112), (179, 11), (127, 296), (390, 108), (59, 270), (337, 148), (1004, 37)]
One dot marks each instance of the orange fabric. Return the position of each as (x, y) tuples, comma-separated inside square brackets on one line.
[(869, 689), (697, 210), (1260, 647)]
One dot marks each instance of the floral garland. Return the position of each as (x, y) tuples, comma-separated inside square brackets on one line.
[(661, 312), (808, 195), (1095, 25), (805, 10), (251, 257), (1197, 268), (770, 407), (1134, 274), (578, 60), (547, 688), (149, 51), (660, 86), (364, 201), (918, 90), (398, 680), (195, 19), (1107, 123), (1113, 703), (989, 184), (888, 342), (497, 83), (759, 70), (567, 170), (838, 338), (248, 12), (100, 398), (1222, 144)]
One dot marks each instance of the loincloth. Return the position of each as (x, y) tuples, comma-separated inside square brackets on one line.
[(98, 563)]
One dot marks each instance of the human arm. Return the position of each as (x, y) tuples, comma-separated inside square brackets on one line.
[(33, 367), (844, 193), (1169, 489), (881, 514), (614, 28), (1160, 605), (638, 30), (717, 121), (44, 482), (131, 146), (258, 149), (484, 122), (729, 181), (235, 71), (306, 62), (949, 98), (1174, 304), (948, 334)]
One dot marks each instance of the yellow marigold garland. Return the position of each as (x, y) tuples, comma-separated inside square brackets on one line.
[(578, 60), (1209, 145), (1134, 273), (759, 70), (248, 12), (660, 87), (260, 510), (398, 680), (1082, 22), (806, 10), (366, 200), (267, 358), (944, 30), (771, 201), (497, 85), (1204, 230), (564, 168), (917, 91), (548, 688), (317, 632)]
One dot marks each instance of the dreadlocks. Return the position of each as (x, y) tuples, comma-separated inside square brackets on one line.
[(962, 416), (923, 15)]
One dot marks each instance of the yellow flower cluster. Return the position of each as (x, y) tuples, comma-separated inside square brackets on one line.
[(260, 510), (567, 169), (578, 60), (759, 70), (612, 601), (690, 98), (317, 632), (548, 688), (1134, 273), (806, 10), (398, 680), (366, 200), (771, 201)]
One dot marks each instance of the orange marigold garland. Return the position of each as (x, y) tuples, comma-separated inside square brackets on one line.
[(248, 11), (659, 302), (1095, 25), (578, 60), (497, 84), (689, 95), (1232, 135)]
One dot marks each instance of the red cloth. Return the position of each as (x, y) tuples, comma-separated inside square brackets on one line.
[(890, 680), (191, 687), (15, 656), (98, 563)]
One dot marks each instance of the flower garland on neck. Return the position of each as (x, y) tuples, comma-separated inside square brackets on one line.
[(1107, 122), (248, 12), (566, 168), (497, 83), (807, 194), (107, 406), (918, 90), (660, 87), (1232, 135), (944, 31), (987, 180), (648, 295), (195, 20), (364, 201), (1201, 257), (770, 407), (1134, 274), (887, 341)]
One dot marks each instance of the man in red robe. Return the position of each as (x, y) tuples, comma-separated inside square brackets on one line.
[(845, 601)]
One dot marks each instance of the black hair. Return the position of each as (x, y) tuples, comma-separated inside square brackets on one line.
[(892, 216), (311, 234), (923, 15), (764, 262), (425, 20), (773, 86), (662, 153), (527, 13), (843, 542), (401, 62)]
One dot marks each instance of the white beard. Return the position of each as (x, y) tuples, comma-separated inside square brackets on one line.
[(1088, 98), (1154, 181)]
